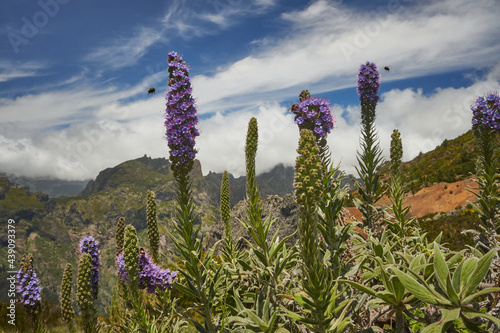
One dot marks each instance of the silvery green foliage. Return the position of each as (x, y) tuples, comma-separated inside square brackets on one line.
[(333, 274), (265, 269), (454, 288)]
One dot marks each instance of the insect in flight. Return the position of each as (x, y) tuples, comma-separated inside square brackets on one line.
[(387, 68)]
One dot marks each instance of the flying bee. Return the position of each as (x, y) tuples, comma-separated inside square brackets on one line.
[(387, 68)]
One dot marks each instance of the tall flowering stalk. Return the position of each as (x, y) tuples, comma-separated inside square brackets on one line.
[(370, 157), (225, 212), (180, 122), (66, 307), (486, 126), (399, 225), (318, 284), (131, 258), (154, 240), (181, 116), (28, 286), (84, 295), (91, 246)]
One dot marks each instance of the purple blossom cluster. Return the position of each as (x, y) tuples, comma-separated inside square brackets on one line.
[(486, 112), (181, 115), (314, 114), (28, 285), (368, 84), (91, 246), (151, 276)]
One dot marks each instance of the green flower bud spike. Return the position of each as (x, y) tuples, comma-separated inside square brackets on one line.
[(83, 294), (152, 226), (225, 211), (308, 172), (251, 152), (131, 256), (66, 307), (396, 152)]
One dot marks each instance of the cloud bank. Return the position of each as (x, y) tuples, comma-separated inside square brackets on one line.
[(49, 134)]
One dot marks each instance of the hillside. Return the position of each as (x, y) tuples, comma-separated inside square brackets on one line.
[(52, 228), (451, 161)]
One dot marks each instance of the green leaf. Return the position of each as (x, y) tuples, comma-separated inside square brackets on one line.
[(479, 293), (433, 328), (423, 293), (457, 277), (379, 250), (360, 287), (440, 268), (448, 315), (399, 289), (417, 261), (473, 315), (479, 273), (467, 270), (451, 292)]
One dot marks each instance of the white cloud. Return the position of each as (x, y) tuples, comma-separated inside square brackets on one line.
[(10, 70), (322, 52), (328, 42), (125, 51), (120, 132)]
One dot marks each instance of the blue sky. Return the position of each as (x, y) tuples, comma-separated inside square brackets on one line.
[(74, 76)]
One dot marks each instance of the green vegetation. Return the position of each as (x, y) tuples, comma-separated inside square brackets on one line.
[(451, 161)]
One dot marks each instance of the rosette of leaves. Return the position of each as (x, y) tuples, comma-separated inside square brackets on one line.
[(384, 287), (455, 293)]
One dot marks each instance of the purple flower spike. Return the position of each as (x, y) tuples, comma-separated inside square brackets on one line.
[(368, 84), (91, 246), (314, 114), (181, 115), (28, 285), (151, 276), (486, 112)]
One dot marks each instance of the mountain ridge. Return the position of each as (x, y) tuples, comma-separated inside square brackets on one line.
[(51, 228)]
